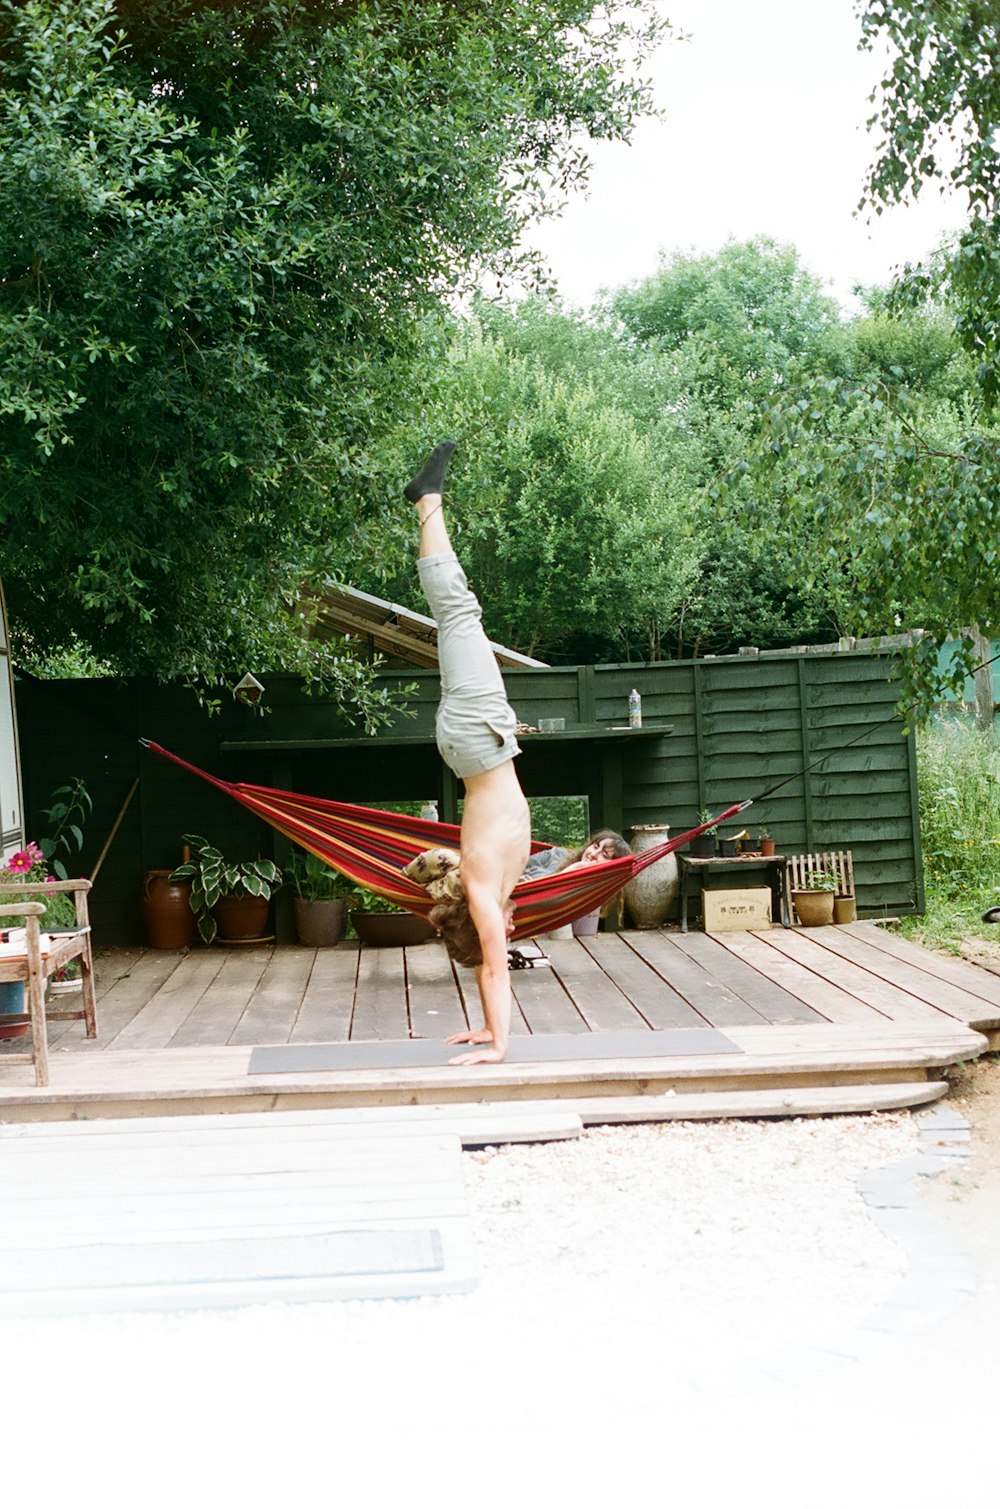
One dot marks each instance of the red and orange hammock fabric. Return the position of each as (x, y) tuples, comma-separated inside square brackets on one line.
[(371, 847)]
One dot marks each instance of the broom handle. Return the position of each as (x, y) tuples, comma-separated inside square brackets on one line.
[(118, 822)]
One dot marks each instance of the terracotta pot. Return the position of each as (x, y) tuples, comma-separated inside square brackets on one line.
[(166, 910), (391, 929), (768, 846), (814, 908), (320, 924), (12, 1003), (845, 909), (241, 917), (652, 895)]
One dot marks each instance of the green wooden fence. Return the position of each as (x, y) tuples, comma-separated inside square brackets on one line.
[(738, 725)]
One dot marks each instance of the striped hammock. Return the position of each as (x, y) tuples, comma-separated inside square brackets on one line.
[(371, 847)]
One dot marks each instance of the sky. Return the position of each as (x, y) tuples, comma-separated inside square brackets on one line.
[(764, 134)]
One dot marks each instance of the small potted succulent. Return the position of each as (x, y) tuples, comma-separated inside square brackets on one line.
[(765, 843), (320, 900), (230, 901), (813, 900)]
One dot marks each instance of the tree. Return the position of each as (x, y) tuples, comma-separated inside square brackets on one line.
[(889, 485), (221, 227), (938, 111), (576, 538)]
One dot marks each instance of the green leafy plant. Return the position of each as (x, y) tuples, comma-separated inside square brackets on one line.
[(312, 880), (818, 880), (214, 878), (363, 900), (68, 810), (763, 833), (705, 816)]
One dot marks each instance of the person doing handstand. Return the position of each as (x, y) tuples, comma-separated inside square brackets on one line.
[(475, 727)]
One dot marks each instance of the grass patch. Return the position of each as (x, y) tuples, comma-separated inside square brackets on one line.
[(958, 769)]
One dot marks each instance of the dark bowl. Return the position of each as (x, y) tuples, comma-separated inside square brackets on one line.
[(391, 929)]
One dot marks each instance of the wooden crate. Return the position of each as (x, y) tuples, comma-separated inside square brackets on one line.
[(743, 911)]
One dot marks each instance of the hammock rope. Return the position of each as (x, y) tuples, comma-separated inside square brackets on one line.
[(370, 848)]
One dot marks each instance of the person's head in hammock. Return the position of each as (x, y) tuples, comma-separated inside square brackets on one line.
[(451, 915)]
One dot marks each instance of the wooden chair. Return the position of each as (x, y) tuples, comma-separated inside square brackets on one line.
[(839, 864), (38, 960)]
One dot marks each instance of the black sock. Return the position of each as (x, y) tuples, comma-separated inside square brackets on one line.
[(430, 477)]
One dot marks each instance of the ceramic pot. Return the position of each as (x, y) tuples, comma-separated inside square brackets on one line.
[(768, 846), (391, 929), (239, 918), (12, 1003), (320, 924), (65, 987), (814, 908), (845, 909), (166, 911), (652, 895), (587, 926)]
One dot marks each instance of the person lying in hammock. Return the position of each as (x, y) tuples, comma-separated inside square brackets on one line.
[(475, 728), (603, 845)]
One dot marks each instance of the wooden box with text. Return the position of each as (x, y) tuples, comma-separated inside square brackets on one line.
[(736, 911)]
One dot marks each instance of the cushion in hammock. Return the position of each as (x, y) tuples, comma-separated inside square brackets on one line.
[(437, 871)]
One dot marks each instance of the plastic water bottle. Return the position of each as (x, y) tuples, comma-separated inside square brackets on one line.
[(634, 709), (429, 812)]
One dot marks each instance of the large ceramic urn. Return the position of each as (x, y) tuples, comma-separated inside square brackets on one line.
[(652, 895)]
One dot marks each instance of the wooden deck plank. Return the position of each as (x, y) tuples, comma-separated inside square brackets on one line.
[(769, 1000), (272, 1010), (380, 1000), (710, 995), (436, 1008), (108, 970), (656, 1002), (543, 1001), (328, 1002), (940, 995), (220, 1009), (172, 1004), (826, 1001), (122, 998), (599, 1001), (888, 1000), (969, 977)]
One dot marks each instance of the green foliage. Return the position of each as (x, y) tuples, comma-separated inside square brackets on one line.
[(818, 880), (221, 227), (213, 877), (937, 111), (69, 808), (958, 769), (559, 820), (312, 880), (363, 900), (891, 504)]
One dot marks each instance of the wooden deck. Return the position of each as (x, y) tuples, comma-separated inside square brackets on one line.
[(824, 1019)]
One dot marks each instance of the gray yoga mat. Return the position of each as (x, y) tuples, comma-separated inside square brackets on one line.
[(539, 1048)]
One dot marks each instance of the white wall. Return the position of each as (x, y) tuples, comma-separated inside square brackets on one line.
[(11, 819)]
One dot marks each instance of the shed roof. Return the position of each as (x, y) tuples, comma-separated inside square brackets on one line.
[(390, 628)]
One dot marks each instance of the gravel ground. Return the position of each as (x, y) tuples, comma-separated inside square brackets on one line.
[(625, 1279)]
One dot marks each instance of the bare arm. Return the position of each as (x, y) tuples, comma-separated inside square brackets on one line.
[(493, 980)]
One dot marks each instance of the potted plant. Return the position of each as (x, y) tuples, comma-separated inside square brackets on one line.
[(703, 847), (814, 899), (228, 900), (383, 924), (320, 901), (765, 843)]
